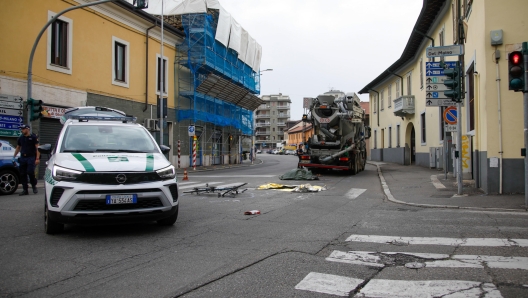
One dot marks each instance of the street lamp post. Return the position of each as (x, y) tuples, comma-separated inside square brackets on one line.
[(30, 64), (269, 69)]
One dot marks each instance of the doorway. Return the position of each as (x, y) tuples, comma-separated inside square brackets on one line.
[(413, 146)]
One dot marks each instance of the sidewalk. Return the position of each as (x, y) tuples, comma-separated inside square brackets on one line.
[(425, 187), (245, 163)]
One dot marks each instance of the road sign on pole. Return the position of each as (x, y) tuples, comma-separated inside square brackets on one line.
[(452, 50), (191, 130), (450, 115), (434, 84)]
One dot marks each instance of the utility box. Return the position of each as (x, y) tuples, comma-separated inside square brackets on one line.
[(439, 157), (432, 157)]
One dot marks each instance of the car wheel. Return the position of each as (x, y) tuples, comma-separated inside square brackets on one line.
[(51, 227), (169, 221), (8, 182)]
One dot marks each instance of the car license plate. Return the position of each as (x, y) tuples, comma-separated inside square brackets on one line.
[(121, 199), (304, 161)]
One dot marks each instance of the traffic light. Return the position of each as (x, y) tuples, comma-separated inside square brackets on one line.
[(515, 71), (141, 4), (453, 82), (34, 109)]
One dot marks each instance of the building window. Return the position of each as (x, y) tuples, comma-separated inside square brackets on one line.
[(409, 80), (423, 129), (421, 73), (390, 136), (375, 99), (60, 44), (441, 38), (375, 139), (398, 135), (389, 96), (382, 106), (120, 58), (398, 83), (162, 73)]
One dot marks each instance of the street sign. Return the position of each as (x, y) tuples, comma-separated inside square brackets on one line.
[(11, 105), (9, 125), (191, 130), (434, 84), (11, 112), (450, 115), (10, 133), (450, 128), (11, 119), (439, 102), (5, 97), (452, 50)]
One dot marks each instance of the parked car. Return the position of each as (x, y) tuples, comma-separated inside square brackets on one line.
[(289, 152), (275, 151), (270, 151), (9, 174), (259, 151)]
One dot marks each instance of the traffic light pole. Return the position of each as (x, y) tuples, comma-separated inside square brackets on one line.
[(30, 64), (525, 103)]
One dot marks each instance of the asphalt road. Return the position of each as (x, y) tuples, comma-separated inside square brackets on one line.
[(301, 245)]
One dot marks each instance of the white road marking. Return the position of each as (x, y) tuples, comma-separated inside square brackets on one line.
[(328, 284), (184, 183), (354, 193), (437, 182), (428, 288), (373, 259), (198, 185), (486, 242), (236, 176)]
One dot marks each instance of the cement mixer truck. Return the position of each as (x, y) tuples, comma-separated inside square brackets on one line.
[(339, 133)]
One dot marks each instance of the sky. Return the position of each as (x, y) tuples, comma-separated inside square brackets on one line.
[(317, 45)]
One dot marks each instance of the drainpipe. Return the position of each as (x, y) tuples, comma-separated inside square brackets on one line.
[(147, 66), (497, 58), (401, 79), (476, 94), (424, 35)]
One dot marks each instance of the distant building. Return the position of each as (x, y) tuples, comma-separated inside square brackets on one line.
[(299, 133), (270, 120)]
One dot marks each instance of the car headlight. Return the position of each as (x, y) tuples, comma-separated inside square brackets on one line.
[(167, 173), (60, 174)]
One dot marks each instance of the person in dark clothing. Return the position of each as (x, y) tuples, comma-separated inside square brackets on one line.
[(27, 145), (299, 153)]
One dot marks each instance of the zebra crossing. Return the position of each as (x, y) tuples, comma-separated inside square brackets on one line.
[(325, 283)]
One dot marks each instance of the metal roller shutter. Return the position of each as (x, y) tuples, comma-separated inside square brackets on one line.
[(49, 133)]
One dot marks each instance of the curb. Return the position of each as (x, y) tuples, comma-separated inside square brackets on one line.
[(391, 198)]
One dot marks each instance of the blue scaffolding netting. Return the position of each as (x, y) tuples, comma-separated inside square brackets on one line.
[(204, 56)]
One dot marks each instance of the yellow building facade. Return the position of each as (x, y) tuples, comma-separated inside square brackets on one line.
[(101, 55), (407, 128)]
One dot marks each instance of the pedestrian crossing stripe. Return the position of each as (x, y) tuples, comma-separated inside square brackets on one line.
[(354, 193), (374, 259), (484, 242), (428, 288), (328, 284)]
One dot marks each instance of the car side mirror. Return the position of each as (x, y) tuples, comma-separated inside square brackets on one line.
[(45, 149), (165, 149)]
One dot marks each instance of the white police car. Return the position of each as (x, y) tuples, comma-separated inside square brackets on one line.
[(105, 168)]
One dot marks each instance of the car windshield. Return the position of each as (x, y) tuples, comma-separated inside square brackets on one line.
[(107, 138)]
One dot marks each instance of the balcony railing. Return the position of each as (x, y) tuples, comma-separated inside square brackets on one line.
[(262, 124), (259, 133), (404, 105), (262, 116), (281, 124)]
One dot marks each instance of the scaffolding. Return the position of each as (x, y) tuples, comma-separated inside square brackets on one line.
[(216, 94)]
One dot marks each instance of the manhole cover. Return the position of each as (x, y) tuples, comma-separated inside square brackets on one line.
[(415, 265)]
